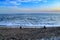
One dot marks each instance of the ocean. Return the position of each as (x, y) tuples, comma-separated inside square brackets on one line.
[(30, 19)]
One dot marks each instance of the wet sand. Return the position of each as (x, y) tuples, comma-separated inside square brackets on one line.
[(28, 33)]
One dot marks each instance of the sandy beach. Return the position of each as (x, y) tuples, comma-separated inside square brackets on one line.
[(28, 33)]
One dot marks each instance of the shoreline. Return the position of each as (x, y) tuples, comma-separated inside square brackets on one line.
[(18, 26)]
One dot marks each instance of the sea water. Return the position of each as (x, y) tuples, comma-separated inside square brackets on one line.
[(30, 19)]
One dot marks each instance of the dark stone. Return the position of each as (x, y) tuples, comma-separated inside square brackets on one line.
[(12, 38), (1, 37)]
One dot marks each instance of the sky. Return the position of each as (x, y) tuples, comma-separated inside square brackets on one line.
[(29, 6)]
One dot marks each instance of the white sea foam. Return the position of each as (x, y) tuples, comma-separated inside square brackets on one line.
[(30, 19)]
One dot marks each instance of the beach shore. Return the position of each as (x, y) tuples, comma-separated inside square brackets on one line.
[(28, 33)]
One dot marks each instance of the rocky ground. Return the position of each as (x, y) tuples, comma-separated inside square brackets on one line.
[(28, 33)]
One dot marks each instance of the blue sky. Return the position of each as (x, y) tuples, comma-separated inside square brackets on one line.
[(17, 6)]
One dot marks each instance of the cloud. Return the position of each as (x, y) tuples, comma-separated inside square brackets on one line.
[(10, 3), (14, 3), (24, 0), (18, 2), (30, 3)]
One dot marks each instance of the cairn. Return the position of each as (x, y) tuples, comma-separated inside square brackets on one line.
[(45, 27), (20, 27)]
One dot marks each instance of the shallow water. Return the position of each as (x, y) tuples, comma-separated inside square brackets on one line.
[(52, 38)]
